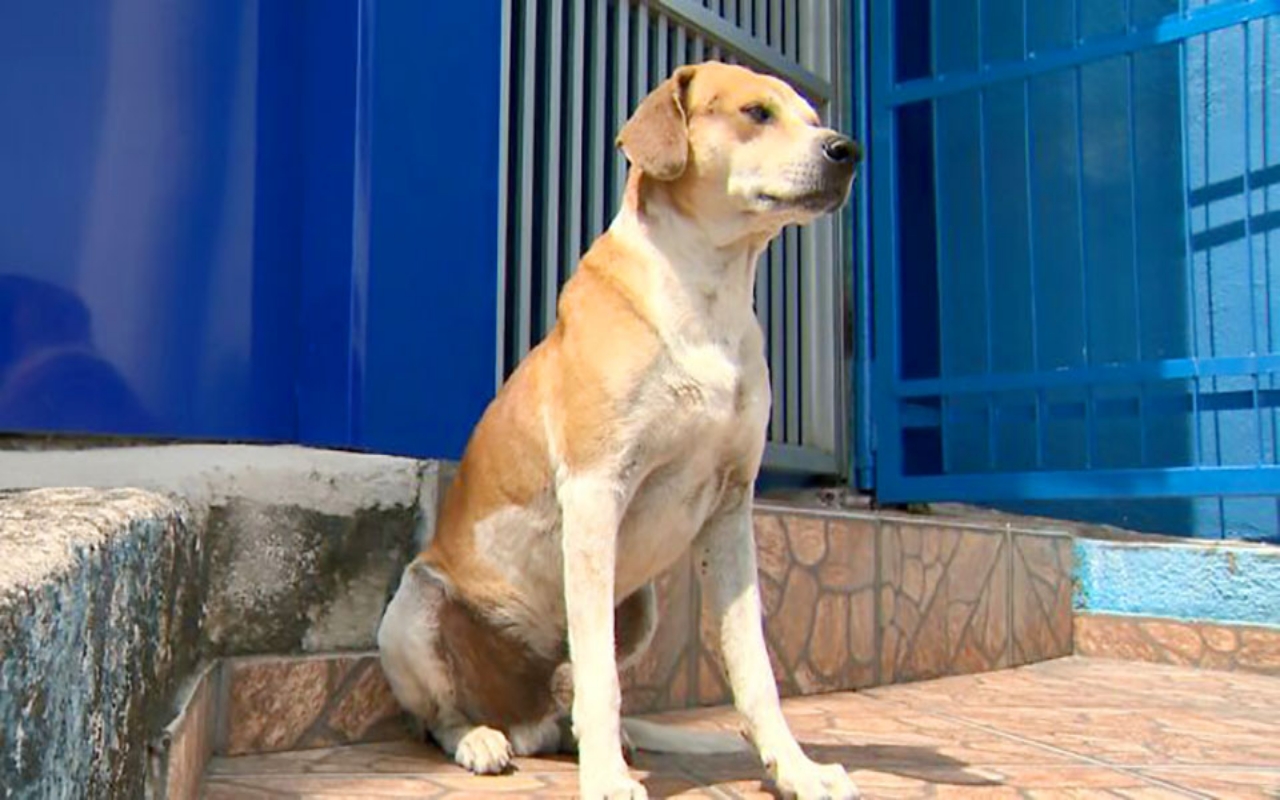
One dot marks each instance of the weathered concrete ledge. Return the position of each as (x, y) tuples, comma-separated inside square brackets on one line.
[(112, 595), (303, 547), (100, 596), (1200, 581)]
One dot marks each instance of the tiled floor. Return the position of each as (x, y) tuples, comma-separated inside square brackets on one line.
[(1068, 728)]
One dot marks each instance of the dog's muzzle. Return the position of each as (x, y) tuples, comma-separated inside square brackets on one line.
[(840, 163)]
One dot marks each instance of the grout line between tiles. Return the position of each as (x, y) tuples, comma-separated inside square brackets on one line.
[(877, 587), (1011, 597)]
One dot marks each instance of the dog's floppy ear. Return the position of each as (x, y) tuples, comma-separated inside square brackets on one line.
[(656, 138)]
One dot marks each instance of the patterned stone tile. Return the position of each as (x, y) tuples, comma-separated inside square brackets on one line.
[(1239, 695), (664, 675), (187, 743), (223, 789), (1262, 784), (402, 757), (275, 704), (1072, 781), (1157, 736), (346, 786), (1198, 644), (850, 570), (1122, 714), (817, 585), (1012, 733), (1099, 685), (1041, 596), (943, 601)]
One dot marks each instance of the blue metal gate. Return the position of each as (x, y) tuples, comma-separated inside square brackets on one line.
[(1075, 233)]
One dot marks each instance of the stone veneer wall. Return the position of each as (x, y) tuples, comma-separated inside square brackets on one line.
[(859, 599), (1189, 643)]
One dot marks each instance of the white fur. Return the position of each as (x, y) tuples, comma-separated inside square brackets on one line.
[(591, 508), (407, 640), (533, 569), (482, 750), (728, 546)]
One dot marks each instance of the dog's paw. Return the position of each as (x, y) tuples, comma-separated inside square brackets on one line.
[(618, 786), (806, 780), (484, 751)]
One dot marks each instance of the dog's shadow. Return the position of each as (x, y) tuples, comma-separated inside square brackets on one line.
[(924, 764)]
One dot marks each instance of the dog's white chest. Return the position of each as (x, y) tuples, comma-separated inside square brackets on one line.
[(705, 430), (704, 384)]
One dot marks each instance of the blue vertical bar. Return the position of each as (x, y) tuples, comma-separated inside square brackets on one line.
[(860, 101), (884, 183), (1028, 157), (984, 207), (1188, 252), (361, 301), (1216, 414), (1090, 428), (330, 114), (1134, 254), (1266, 209), (433, 200), (939, 256), (1248, 233)]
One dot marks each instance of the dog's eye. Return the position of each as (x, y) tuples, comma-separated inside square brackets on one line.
[(757, 113)]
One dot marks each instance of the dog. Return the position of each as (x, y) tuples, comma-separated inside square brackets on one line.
[(633, 432)]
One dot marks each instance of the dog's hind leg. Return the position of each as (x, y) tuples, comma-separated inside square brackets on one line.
[(408, 644), (422, 679)]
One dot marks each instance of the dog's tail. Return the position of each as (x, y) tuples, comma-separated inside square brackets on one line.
[(656, 738)]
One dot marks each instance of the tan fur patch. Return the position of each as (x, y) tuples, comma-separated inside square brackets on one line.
[(498, 679)]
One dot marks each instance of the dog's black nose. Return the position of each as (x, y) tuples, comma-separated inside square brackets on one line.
[(842, 150)]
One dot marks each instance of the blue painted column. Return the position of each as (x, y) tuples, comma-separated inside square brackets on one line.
[(399, 300), (431, 167)]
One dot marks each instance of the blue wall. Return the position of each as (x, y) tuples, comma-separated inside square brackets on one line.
[(1221, 583), (249, 220)]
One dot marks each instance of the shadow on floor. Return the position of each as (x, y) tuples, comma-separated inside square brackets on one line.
[(923, 764)]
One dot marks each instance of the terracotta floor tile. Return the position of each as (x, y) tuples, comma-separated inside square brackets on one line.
[(1072, 728), (382, 758), (1129, 737), (315, 786), (1224, 782), (230, 789)]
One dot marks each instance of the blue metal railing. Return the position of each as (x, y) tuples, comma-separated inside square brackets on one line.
[(1074, 211)]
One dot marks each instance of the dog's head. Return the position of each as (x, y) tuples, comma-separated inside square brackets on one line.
[(739, 149)]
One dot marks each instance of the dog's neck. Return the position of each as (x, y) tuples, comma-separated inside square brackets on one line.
[(706, 277)]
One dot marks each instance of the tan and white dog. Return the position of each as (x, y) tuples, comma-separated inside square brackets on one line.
[(633, 432)]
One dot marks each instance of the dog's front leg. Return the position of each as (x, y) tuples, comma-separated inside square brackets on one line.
[(591, 510), (727, 547)]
